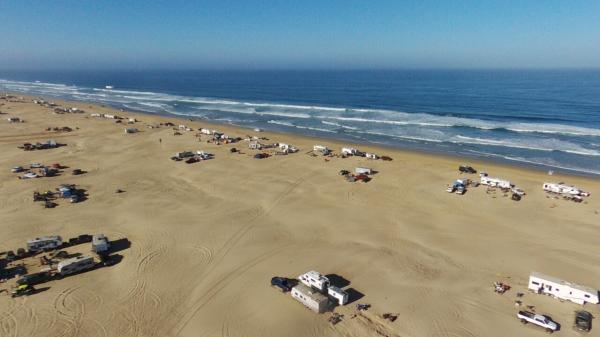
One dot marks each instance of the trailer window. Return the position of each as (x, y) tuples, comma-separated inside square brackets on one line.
[(533, 282), (586, 296)]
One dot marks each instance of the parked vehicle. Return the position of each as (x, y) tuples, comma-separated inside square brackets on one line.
[(23, 290), (17, 169), (466, 169), (36, 165), (282, 283), (76, 264), (77, 172), (35, 278), (44, 243), (539, 320), (583, 320)]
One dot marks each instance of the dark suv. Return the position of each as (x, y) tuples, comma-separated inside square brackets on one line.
[(282, 283), (583, 320)]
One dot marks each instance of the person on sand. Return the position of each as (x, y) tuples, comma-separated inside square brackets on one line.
[(160, 140)]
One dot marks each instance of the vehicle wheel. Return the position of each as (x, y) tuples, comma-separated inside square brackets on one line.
[(523, 321), (549, 330)]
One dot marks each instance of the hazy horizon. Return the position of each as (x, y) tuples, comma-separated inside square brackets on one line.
[(275, 35)]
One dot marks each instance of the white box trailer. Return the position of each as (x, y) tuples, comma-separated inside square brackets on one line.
[(495, 182), (338, 295), (311, 298), (349, 151), (363, 170), (315, 280), (562, 188), (100, 243), (555, 287), (44, 242), (76, 264)]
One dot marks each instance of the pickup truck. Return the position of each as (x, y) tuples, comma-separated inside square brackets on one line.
[(539, 320)]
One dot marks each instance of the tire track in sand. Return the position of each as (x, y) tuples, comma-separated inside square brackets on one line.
[(222, 254)]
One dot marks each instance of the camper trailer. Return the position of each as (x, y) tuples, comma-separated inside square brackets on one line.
[(287, 148), (349, 151), (363, 170), (322, 149), (562, 188), (494, 182), (44, 242), (337, 295), (255, 146), (100, 243), (555, 287), (131, 130), (315, 279), (76, 264), (312, 299), (184, 154)]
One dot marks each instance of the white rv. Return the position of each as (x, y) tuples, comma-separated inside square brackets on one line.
[(206, 131), (76, 264), (371, 155), (255, 146), (562, 188), (321, 148), (555, 287), (338, 295), (312, 299), (349, 151), (100, 243), (494, 182), (44, 242), (363, 170), (314, 279)]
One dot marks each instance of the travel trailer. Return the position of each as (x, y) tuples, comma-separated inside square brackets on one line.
[(494, 182), (562, 188), (44, 242), (349, 151), (315, 280), (322, 149), (311, 298), (255, 146), (338, 295), (76, 264), (555, 287), (363, 170), (100, 243)]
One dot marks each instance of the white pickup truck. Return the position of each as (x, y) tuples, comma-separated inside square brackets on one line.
[(539, 320)]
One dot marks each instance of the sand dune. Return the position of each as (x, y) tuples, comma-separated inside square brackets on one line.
[(207, 237)]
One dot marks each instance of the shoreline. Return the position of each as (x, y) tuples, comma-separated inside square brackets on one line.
[(205, 238), (480, 159)]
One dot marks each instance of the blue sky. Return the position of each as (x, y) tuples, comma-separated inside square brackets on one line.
[(294, 34)]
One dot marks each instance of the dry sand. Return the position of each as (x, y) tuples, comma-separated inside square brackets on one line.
[(206, 238)]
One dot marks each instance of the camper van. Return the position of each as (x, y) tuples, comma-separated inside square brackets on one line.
[(555, 287), (43, 243), (100, 243), (312, 299), (338, 295), (76, 264), (315, 279)]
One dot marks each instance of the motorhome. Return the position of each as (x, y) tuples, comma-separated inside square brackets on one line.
[(311, 298), (562, 188), (100, 243), (337, 295), (314, 279), (555, 287), (76, 264), (44, 242), (494, 182)]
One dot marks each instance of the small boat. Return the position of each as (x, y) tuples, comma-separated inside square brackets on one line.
[(109, 87)]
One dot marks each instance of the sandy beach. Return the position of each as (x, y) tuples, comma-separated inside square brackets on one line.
[(207, 237)]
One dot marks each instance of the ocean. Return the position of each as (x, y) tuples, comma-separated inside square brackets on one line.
[(548, 119)]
